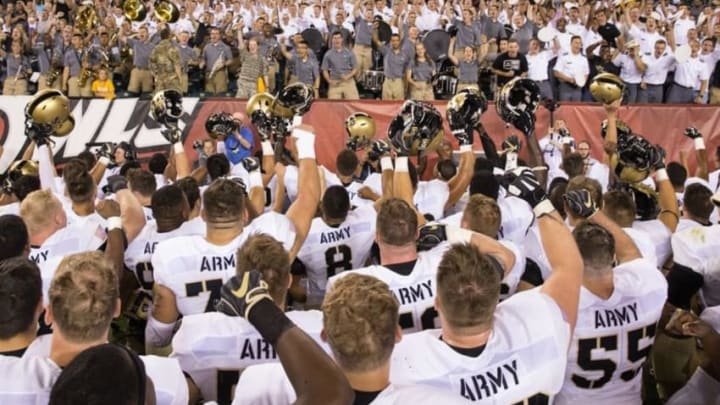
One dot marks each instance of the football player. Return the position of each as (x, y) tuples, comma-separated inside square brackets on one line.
[(339, 240), (14, 238), (508, 352), (621, 300), (189, 271), (83, 300), (21, 299), (213, 347), (362, 341)]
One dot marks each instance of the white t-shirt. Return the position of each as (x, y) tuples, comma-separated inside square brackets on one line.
[(415, 292), (525, 355), (613, 337), (195, 270), (213, 347), (329, 250)]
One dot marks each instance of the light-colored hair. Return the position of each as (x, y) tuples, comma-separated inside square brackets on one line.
[(38, 210), (360, 318), (83, 296), (482, 215)]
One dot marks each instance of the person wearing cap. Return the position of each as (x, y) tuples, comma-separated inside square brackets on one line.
[(687, 72), (570, 68), (631, 70), (658, 65)]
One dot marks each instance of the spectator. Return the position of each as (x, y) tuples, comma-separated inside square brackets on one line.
[(510, 64), (103, 87), (572, 70)]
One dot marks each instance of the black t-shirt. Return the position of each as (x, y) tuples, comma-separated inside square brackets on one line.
[(506, 63), (598, 66), (609, 32)]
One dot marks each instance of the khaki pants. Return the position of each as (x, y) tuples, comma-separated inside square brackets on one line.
[(715, 95), (167, 81), (13, 87), (246, 87), (345, 90), (42, 82), (462, 86), (141, 81), (184, 83), (422, 91), (363, 55), (218, 83), (271, 71), (74, 90), (393, 89), (673, 361)]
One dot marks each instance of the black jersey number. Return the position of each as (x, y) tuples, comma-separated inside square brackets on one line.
[(537, 399), (226, 382), (338, 258), (607, 366), (427, 319), (213, 286), (144, 274)]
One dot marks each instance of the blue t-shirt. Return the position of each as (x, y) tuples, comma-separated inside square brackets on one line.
[(234, 151)]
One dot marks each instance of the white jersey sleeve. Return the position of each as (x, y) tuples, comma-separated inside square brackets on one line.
[(329, 250), (374, 181), (27, 380), (353, 190), (697, 249), (510, 282), (524, 357), (431, 197), (643, 243), (534, 250), (264, 384), (212, 348), (516, 219), (415, 292), (168, 379), (613, 337), (195, 270)]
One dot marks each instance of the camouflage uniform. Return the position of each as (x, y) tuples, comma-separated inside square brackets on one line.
[(164, 60)]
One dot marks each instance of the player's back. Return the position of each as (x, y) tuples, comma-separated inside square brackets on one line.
[(213, 347), (697, 249), (431, 197), (523, 359), (329, 250), (195, 270), (139, 252), (26, 380), (613, 337), (414, 289)]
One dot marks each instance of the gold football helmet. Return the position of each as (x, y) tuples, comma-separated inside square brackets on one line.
[(49, 110), (606, 88), (259, 102), (23, 168), (360, 128)]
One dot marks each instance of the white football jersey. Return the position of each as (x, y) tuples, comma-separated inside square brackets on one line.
[(701, 389), (660, 237), (355, 200), (374, 181), (195, 270), (697, 249), (509, 283), (534, 250), (516, 217), (148, 214), (170, 385), (92, 221), (524, 357), (643, 242), (329, 250), (139, 252), (431, 197), (26, 380), (213, 347), (65, 241), (276, 225), (267, 384), (613, 337), (10, 209), (415, 292), (291, 180)]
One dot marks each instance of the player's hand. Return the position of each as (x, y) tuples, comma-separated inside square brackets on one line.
[(351, 144), (580, 203), (366, 193), (692, 133), (172, 135), (241, 293), (679, 318), (250, 164), (527, 187), (108, 209), (512, 144), (657, 157), (613, 107), (106, 150), (197, 145)]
